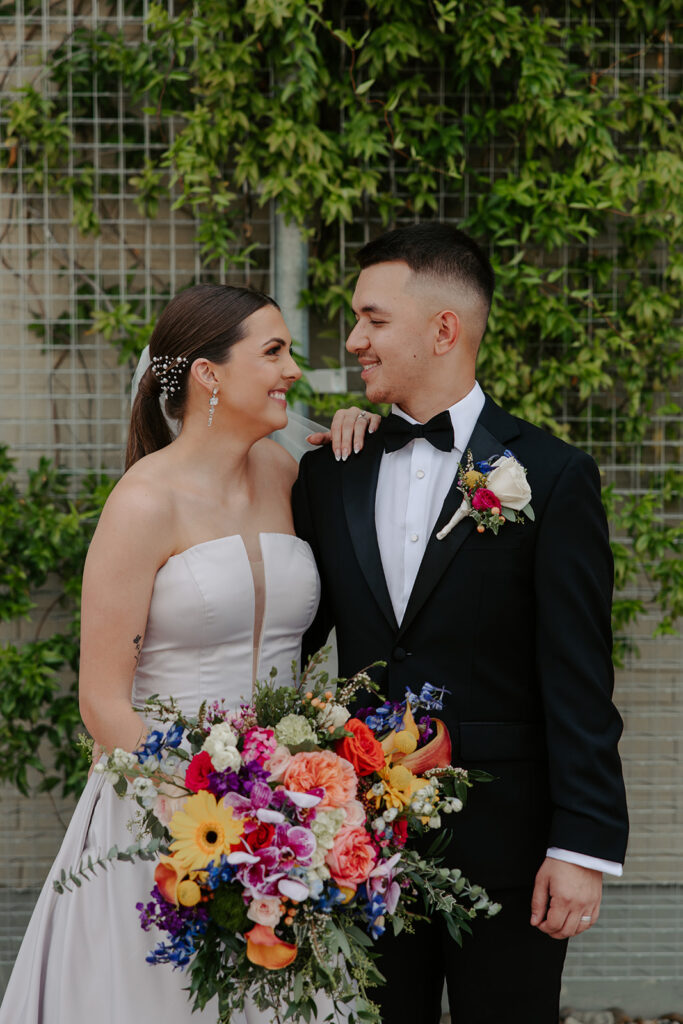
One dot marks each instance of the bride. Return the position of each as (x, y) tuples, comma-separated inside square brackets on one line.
[(194, 586)]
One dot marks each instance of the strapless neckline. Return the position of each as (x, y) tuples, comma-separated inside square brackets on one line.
[(238, 537)]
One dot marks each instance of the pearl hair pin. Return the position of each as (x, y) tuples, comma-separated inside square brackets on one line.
[(167, 370)]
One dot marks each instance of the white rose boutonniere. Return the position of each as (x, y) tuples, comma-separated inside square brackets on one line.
[(495, 491)]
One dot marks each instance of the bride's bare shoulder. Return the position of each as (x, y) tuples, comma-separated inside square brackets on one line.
[(276, 461), (141, 505)]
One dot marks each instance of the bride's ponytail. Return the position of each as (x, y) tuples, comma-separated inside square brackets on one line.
[(149, 429)]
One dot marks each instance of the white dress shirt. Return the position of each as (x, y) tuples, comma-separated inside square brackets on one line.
[(411, 488)]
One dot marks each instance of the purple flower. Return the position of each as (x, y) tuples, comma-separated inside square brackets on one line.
[(295, 843), (177, 921), (260, 877), (382, 882)]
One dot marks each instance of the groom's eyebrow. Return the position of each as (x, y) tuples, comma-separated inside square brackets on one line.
[(372, 308)]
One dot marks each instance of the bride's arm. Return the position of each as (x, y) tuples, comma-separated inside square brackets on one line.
[(129, 546)]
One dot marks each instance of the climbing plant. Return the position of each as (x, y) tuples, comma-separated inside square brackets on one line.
[(521, 123)]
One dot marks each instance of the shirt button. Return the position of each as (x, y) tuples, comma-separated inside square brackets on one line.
[(420, 473), (414, 537)]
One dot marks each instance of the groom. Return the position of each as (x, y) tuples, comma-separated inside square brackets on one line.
[(516, 626)]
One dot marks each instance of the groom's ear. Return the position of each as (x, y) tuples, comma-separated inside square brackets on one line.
[(448, 330)]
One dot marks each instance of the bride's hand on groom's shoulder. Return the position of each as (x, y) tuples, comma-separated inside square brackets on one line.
[(347, 431)]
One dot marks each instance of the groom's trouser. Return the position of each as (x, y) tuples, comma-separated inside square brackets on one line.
[(505, 970)]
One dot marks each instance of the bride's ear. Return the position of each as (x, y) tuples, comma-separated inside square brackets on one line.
[(203, 372)]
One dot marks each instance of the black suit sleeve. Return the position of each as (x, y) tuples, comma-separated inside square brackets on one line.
[(573, 584), (304, 527)]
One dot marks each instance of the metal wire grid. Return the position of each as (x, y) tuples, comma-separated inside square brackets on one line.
[(64, 393)]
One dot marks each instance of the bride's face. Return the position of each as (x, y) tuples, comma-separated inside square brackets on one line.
[(259, 372)]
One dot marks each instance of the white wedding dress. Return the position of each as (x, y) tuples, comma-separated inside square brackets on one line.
[(216, 621)]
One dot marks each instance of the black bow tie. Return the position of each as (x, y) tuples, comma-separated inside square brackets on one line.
[(396, 432)]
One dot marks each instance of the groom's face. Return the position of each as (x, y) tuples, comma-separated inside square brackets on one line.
[(392, 339)]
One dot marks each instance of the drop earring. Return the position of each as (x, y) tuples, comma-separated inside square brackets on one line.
[(213, 402)]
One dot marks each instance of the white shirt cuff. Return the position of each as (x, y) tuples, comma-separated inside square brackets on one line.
[(610, 867)]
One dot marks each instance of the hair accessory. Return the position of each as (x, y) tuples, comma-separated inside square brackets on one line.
[(167, 370), (213, 402)]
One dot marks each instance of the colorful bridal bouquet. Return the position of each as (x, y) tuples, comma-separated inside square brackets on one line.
[(283, 833), (495, 491)]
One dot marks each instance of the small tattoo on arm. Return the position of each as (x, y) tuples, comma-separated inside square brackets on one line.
[(138, 647)]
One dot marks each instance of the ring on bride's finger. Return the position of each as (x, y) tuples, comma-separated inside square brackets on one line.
[(584, 918), (362, 415)]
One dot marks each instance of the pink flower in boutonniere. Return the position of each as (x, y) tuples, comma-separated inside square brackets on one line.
[(483, 498), (495, 491)]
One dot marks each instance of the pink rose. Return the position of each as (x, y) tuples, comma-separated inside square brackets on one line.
[(354, 814), (352, 857), (483, 498), (277, 763), (265, 910)]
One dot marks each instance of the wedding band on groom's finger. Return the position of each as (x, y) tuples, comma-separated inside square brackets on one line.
[(585, 919)]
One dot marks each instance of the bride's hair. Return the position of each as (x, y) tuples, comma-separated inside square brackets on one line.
[(202, 322)]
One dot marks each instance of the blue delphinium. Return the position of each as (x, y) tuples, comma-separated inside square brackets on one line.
[(216, 874), (174, 735), (330, 897), (430, 698), (374, 911), (152, 747)]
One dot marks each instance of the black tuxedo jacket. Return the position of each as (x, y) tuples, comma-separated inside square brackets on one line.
[(517, 628)]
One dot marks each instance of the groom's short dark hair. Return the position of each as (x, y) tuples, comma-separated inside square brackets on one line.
[(434, 249)]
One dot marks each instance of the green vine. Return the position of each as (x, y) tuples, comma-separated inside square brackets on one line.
[(44, 537), (522, 123)]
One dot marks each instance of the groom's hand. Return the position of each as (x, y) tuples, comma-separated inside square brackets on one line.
[(566, 898)]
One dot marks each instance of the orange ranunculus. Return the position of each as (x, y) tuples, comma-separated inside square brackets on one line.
[(362, 749), (266, 950), (322, 768), (352, 857)]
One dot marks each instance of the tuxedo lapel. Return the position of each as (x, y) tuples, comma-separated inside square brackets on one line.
[(359, 488), (439, 553)]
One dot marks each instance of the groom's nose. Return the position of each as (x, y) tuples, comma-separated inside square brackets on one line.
[(357, 339)]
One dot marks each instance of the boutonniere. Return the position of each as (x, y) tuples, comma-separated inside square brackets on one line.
[(495, 491)]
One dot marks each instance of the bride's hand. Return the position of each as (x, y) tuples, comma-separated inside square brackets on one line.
[(347, 431)]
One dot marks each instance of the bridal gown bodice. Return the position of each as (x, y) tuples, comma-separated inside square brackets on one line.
[(205, 624), (216, 622)]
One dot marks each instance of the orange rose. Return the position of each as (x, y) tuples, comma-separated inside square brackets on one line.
[(322, 768), (362, 749), (352, 857)]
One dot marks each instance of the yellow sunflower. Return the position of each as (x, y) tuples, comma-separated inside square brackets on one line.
[(203, 830)]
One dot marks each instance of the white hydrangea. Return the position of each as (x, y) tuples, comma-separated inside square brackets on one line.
[(325, 827), (293, 730)]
